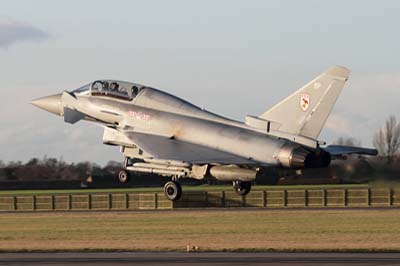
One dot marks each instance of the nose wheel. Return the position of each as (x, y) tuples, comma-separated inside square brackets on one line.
[(242, 188), (173, 190)]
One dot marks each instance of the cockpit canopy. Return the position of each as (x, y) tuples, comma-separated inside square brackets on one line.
[(111, 88)]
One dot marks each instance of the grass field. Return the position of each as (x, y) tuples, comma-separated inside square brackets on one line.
[(160, 189), (215, 230)]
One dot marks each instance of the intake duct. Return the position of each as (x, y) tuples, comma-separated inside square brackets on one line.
[(295, 156)]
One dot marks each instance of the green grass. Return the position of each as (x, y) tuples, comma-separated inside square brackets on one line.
[(160, 189), (218, 230)]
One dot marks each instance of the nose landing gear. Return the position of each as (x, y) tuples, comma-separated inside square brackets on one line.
[(242, 188)]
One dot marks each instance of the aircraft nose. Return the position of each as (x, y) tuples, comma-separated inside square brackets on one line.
[(50, 103)]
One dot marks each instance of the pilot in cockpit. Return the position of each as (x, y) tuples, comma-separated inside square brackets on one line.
[(114, 87), (135, 91), (105, 86), (100, 86)]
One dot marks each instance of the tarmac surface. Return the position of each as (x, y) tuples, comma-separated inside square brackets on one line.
[(175, 258)]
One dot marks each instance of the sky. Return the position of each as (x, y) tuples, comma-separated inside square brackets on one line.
[(235, 58)]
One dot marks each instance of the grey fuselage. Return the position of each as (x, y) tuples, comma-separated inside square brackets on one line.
[(159, 113)]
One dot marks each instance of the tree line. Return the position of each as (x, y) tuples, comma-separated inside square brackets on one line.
[(55, 169)]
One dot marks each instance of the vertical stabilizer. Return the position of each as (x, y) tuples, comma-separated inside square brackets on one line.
[(305, 111)]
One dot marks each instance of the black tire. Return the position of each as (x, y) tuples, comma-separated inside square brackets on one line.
[(123, 176), (242, 188), (173, 190)]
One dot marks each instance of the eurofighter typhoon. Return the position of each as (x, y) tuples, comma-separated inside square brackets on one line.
[(163, 134)]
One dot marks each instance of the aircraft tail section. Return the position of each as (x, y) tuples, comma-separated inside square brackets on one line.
[(305, 111)]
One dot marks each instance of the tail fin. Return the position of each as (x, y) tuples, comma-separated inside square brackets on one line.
[(305, 111)]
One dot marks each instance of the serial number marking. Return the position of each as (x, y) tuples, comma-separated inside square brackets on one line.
[(139, 115)]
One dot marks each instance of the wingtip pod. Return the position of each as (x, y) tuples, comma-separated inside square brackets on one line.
[(338, 71)]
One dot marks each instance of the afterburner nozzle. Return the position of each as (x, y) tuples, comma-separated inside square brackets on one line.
[(50, 103)]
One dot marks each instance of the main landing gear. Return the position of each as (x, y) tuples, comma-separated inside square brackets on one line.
[(173, 190), (123, 176), (242, 188)]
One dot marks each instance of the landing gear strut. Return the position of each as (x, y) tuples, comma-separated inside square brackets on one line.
[(123, 175), (173, 190), (242, 187)]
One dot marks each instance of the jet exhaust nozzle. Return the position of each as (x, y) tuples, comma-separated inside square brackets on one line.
[(297, 157)]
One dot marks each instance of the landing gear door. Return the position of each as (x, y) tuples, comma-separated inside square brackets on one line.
[(134, 152)]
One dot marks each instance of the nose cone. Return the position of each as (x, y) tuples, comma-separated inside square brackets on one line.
[(50, 103)]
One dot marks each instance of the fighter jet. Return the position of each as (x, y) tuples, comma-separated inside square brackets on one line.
[(160, 133)]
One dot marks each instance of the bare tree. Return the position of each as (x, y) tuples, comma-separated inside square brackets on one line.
[(387, 139)]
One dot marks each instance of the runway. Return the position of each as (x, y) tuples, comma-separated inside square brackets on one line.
[(175, 258)]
